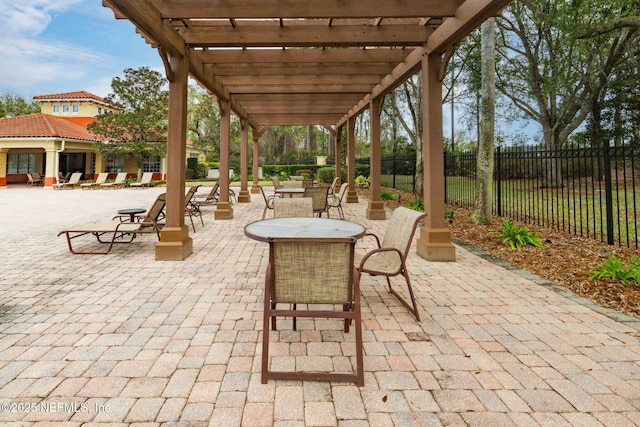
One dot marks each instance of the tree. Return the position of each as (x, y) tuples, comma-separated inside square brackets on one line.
[(139, 129), (14, 105), (484, 177), (551, 72), (203, 122)]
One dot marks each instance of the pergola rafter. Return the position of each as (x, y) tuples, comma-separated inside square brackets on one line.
[(299, 62)]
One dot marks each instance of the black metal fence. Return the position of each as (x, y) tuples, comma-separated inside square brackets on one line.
[(589, 192)]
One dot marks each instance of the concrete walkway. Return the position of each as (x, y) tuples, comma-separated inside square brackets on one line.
[(123, 339)]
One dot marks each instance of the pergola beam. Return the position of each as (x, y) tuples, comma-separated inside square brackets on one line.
[(309, 9), (304, 36)]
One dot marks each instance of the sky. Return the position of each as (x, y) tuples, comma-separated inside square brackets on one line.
[(55, 46)]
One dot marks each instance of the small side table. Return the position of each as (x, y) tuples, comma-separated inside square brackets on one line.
[(132, 212)]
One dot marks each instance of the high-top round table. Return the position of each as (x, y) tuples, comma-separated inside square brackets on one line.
[(303, 228)]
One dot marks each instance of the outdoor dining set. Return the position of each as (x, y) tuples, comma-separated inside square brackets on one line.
[(313, 270)]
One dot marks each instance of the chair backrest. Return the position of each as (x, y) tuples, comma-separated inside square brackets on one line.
[(155, 211), (319, 197), (276, 182), (292, 184), (189, 195), (121, 178), (102, 178), (146, 177), (312, 271), (332, 187), (292, 207), (343, 189), (401, 229), (75, 178)]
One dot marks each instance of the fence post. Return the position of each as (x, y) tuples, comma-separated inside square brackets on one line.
[(498, 162), (608, 192)]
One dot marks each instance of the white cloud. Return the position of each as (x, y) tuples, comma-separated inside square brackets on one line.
[(34, 59)]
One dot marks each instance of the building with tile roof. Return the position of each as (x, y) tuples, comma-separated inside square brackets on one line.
[(57, 141)]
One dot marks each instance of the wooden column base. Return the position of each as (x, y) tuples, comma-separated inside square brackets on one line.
[(224, 210), (376, 210), (352, 196), (175, 244), (434, 244), (255, 190), (244, 197)]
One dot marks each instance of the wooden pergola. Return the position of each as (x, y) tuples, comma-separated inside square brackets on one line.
[(301, 62)]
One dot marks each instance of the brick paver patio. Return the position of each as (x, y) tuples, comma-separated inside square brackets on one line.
[(123, 339)]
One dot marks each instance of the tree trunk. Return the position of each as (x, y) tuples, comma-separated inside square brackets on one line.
[(484, 174)]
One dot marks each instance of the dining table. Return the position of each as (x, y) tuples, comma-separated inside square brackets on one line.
[(302, 228)]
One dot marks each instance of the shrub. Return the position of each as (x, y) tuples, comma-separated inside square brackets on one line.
[(362, 181), (615, 270), (416, 204), (387, 195), (517, 236)]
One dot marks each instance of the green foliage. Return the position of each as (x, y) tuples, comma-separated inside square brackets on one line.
[(327, 173), (13, 105), (387, 195), (140, 128), (615, 270), (203, 122), (517, 236), (362, 181), (416, 204)]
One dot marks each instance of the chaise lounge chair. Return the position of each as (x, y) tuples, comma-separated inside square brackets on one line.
[(102, 178), (144, 182), (73, 182), (119, 232), (120, 182)]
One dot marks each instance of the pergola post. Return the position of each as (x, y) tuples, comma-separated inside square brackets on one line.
[(224, 210), (352, 194), (338, 155), (175, 243), (376, 205), (434, 243), (243, 196), (256, 167)]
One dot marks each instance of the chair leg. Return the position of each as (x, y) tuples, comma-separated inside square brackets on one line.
[(413, 308)]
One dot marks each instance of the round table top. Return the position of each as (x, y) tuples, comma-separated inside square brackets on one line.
[(294, 190), (131, 211), (303, 228)]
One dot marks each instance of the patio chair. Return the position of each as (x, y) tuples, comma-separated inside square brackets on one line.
[(34, 179), (62, 178), (332, 187), (389, 259), (336, 201), (292, 207), (333, 294), (101, 179), (276, 182), (190, 208), (119, 232), (268, 201), (211, 197), (120, 182), (73, 182), (319, 197), (145, 181)]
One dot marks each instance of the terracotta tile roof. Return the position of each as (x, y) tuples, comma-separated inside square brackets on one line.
[(43, 125), (71, 95)]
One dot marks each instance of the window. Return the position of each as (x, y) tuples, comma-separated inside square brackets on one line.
[(75, 108), (114, 164), (65, 108), (151, 164), (21, 163), (56, 108), (99, 110)]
